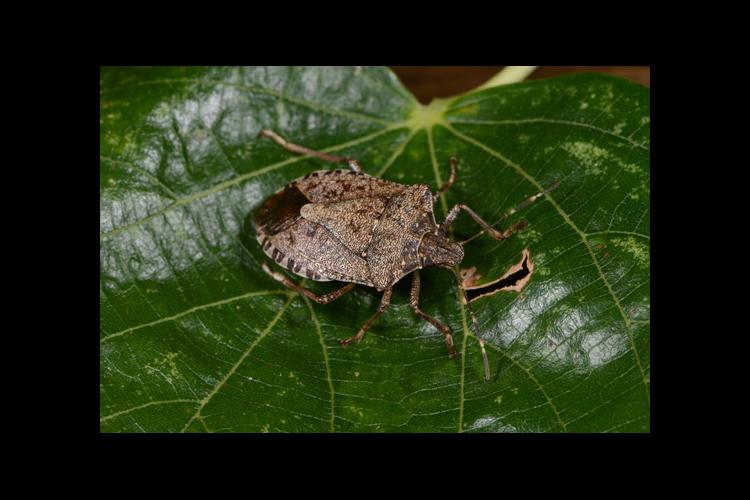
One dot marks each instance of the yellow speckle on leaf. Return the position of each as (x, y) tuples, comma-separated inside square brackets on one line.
[(165, 363), (635, 248), (631, 168), (529, 236), (589, 155)]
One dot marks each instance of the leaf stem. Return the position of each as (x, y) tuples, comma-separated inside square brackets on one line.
[(509, 74)]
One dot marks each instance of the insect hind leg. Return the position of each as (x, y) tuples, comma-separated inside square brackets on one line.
[(320, 299), (295, 148)]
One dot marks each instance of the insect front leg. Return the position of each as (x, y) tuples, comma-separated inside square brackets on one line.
[(414, 304), (294, 148), (385, 301), (494, 233), (320, 299)]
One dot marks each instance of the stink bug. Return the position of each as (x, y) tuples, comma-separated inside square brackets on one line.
[(345, 225)]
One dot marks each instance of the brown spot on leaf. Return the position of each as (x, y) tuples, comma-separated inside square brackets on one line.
[(469, 277)]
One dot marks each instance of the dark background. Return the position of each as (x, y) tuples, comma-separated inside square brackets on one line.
[(428, 82)]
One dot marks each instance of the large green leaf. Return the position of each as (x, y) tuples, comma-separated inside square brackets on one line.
[(195, 337)]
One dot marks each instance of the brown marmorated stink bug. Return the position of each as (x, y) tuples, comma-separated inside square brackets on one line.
[(345, 225)]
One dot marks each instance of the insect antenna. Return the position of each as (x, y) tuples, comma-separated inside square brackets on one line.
[(474, 327), (528, 201)]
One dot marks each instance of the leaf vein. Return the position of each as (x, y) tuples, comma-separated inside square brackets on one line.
[(315, 320), (237, 180), (536, 382), (244, 356), (550, 120), (146, 405), (191, 310), (252, 89)]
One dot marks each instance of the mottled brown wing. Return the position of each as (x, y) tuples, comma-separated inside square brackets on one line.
[(393, 252), (326, 186), (304, 247), (279, 210), (308, 249), (352, 222)]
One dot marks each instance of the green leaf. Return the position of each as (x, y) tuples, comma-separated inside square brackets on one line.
[(195, 337)]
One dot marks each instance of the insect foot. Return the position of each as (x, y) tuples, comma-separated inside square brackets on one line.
[(451, 347), (385, 301), (414, 304)]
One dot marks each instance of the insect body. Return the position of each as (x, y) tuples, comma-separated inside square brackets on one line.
[(348, 226), (345, 225)]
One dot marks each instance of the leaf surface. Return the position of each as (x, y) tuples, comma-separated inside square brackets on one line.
[(194, 337)]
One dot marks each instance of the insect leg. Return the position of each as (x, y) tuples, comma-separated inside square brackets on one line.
[(414, 304), (494, 233), (385, 301), (447, 185), (307, 151), (520, 206), (320, 299)]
